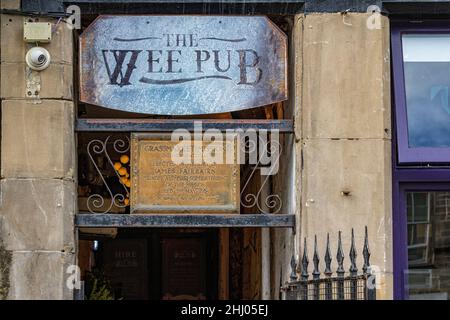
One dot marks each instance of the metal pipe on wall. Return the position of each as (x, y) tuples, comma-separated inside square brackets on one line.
[(265, 264), (265, 243)]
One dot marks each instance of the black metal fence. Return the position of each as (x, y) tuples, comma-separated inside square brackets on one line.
[(329, 285)]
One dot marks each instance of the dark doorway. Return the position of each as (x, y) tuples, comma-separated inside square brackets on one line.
[(161, 264)]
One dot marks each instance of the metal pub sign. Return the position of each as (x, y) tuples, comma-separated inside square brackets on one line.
[(181, 65)]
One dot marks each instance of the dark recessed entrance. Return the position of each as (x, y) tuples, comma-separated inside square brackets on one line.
[(161, 264), (170, 263)]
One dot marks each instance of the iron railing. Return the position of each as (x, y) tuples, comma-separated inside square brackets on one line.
[(326, 286)]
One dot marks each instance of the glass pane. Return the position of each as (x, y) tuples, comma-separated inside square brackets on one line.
[(417, 255), (420, 198), (428, 273), (427, 82), (420, 213), (410, 234), (418, 234), (420, 207), (409, 206)]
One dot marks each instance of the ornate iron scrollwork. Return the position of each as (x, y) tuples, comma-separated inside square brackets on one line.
[(272, 202), (96, 202)]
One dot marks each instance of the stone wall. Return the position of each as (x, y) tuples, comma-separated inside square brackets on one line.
[(37, 236), (342, 144), (345, 137), (341, 153)]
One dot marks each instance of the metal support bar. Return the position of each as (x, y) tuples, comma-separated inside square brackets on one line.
[(168, 6), (184, 220), (233, 6), (90, 7), (168, 125)]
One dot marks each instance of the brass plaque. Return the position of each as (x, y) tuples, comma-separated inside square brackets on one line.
[(162, 185)]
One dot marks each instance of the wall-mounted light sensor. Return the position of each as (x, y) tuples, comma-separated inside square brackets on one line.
[(38, 58)]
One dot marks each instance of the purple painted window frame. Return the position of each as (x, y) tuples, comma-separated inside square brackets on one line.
[(405, 153), (400, 236), (408, 176)]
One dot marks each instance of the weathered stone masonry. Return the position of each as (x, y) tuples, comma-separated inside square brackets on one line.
[(345, 136), (341, 100), (37, 166)]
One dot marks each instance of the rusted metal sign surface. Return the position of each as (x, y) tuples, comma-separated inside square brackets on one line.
[(162, 185), (181, 65)]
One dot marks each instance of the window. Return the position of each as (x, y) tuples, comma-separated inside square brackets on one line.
[(427, 274), (421, 69), (427, 79), (418, 211), (421, 158)]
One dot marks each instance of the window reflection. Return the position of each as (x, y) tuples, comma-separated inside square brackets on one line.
[(427, 83), (428, 274)]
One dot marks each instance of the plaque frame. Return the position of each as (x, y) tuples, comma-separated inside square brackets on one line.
[(138, 207)]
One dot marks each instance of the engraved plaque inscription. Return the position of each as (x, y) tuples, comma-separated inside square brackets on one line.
[(196, 176)]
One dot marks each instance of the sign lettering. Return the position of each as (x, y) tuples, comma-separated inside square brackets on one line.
[(144, 64)]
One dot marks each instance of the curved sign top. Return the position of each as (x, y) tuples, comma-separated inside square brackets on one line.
[(182, 65)]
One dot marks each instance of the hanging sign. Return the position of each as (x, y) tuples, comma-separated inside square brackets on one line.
[(181, 65)]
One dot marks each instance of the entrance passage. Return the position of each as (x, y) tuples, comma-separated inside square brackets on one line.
[(161, 264), (170, 263)]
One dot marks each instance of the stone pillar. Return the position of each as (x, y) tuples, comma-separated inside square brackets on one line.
[(345, 135), (37, 235)]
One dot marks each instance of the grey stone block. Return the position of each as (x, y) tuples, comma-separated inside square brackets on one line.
[(38, 140), (39, 275), (38, 214)]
